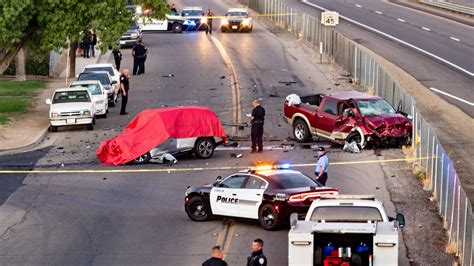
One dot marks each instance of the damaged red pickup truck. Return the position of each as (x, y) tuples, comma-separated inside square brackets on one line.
[(347, 116)]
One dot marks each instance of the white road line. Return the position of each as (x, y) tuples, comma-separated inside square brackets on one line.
[(359, 6), (401, 20), (396, 39), (378, 12), (455, 39), (426, 29), (452, 96)]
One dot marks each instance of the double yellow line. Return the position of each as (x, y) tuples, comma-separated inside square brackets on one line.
[(236, 106), (225, 236)]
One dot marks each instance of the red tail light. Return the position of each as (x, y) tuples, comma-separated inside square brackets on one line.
[(311, 195)]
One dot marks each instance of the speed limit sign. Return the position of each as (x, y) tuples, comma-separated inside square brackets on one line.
[(329, 18)]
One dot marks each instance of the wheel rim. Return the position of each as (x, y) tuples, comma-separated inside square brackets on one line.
[(300, 131), (198, 209), (142, 158), (177, 28), (268, 217), (205, 148)]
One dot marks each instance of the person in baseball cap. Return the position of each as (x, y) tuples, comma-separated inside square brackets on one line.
[(321, 171)]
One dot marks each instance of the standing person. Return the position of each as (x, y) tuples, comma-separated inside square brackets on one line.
[(117, 57), (256, 119), (139, 53), (209, 15), (93, 43), (124, 86), (173, 9), (257, 258), (321, 171), (86, 43), (216, 259)]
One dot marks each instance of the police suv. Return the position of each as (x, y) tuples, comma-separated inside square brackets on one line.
[(267, 193)]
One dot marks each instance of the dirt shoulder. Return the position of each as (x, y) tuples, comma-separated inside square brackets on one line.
[(27, 129)]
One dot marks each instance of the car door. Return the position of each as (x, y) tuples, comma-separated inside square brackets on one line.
[(224, 197), (326, 117), (251, 196), (345, 121)]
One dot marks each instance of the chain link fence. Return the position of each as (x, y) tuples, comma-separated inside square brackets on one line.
[(454, 205)]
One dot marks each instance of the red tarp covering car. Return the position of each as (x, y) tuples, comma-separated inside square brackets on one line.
[(154, 126)]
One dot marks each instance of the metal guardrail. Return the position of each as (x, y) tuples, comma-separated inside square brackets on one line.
[(451, 7), (454, 205)]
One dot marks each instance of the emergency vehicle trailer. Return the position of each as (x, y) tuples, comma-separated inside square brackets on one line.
[(365, 236)]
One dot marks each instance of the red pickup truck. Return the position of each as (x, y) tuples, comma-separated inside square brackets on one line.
[(347, 116)]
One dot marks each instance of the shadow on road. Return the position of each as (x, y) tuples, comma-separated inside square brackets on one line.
[(9, 183)]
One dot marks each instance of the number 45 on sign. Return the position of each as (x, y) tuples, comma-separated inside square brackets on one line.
[(329, 18)]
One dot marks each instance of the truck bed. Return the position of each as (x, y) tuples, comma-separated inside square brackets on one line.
[(308, 107)]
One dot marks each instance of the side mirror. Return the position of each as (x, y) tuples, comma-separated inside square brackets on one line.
[(293, 219), (48, 101), (114, 82), (401, 220), (219, 178)]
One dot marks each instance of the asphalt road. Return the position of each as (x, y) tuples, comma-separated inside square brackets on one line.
[(137, 218), (451, 41)]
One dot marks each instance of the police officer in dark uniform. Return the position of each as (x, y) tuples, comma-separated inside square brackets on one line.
[(139, 53), (117, 57), (209, 15), (257, 118), (124, 87), (257, 258)]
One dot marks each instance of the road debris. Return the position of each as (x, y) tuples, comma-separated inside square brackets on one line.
[(351, 147)]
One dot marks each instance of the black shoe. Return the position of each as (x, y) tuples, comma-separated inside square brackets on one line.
[(253, 151), (260, 151), (124, 113)]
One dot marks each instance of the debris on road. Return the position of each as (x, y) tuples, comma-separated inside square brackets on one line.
[(351, 147), (235, 155), (166, 157), (287, 83), (274, 96), (168, 76), (222, 77)]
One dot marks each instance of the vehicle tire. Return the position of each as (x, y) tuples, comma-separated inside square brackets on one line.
[(268, 217), (90, 126), (204, 148), (198, 210), (176, 28), (355, 136), (143, 159), (301, 131), (54, 129)]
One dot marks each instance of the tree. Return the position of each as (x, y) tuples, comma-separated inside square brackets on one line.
[(54, 24)]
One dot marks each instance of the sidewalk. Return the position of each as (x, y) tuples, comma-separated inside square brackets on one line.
[(27, 130)]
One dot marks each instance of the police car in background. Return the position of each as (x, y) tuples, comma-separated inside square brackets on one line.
[(267, 193), (194, 18), (172, 21)]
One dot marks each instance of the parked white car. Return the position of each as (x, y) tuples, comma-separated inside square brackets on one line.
[(98, 93), (71, 106), (113, 72)]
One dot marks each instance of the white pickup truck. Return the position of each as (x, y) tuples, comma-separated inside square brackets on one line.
[(345, 230)]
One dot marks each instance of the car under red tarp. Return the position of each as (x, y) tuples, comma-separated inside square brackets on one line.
[(152, 127)]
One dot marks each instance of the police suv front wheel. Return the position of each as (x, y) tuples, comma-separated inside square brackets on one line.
[(268, 217), (198, 210)]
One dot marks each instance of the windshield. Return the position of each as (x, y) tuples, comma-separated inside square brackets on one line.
[(237, 14), (104, 79), (346, 214), (191, 13), (375, 107), (293, 180), (94, 89), (108, 69), (71, 97)]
